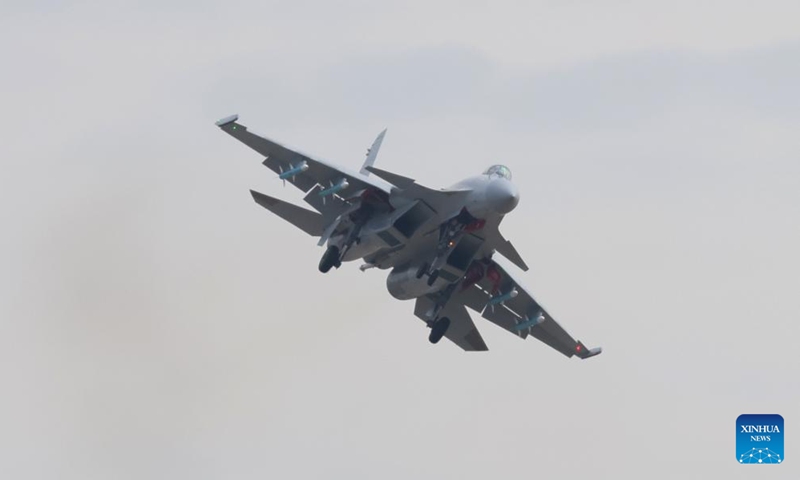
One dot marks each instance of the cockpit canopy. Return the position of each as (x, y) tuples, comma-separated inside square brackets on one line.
[(498, 170)]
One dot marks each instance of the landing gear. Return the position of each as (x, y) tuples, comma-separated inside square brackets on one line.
[(450, 233), (422, 270), (432, 276), (330, 259), (438, 329)]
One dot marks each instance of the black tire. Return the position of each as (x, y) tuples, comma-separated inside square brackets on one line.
[(329, 259), (438, 330), (432, 278), (324, 267)]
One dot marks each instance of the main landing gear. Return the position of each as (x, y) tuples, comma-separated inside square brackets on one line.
[(330, 259), (432, 276), (438, 329)]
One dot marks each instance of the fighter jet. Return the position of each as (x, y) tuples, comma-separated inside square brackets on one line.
[(440, 244)]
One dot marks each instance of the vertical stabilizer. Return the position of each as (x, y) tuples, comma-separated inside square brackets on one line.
[(372, 153)]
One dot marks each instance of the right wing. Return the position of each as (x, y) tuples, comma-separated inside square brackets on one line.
[(523, 315), (281, 159), (520, 314)]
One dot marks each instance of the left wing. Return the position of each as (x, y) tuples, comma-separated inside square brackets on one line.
[(303, 171)]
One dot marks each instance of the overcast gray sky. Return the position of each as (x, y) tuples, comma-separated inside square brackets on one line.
[(156, 323)]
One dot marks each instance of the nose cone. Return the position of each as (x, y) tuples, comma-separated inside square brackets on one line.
[(502, 195)]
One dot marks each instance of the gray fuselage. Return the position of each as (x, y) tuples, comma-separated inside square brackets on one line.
[(479, 200)]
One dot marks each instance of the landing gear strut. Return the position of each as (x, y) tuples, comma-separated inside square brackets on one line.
[(330, 259), (432, 275), (422, 270), (438, 329), (450, 233)]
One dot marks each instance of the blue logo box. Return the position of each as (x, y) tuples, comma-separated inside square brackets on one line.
[(759, 439)]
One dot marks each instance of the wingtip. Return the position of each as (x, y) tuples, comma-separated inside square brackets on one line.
[(582, 352), (229, 119)]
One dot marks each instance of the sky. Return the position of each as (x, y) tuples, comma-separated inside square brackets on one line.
[(156, 323)]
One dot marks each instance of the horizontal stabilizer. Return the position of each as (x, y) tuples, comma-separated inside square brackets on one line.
[(310, 222)]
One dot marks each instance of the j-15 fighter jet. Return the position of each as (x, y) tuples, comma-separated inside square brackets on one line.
[(440, 244)]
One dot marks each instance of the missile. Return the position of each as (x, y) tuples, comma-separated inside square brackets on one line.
[(530, 322), (499, 299), (294, 170), (334, 188)]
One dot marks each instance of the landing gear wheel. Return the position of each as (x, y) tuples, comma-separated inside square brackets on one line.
[(329, 259), (438, 329), (432, 278)]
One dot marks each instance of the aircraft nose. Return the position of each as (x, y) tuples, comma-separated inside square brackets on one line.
[(502, 195)]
